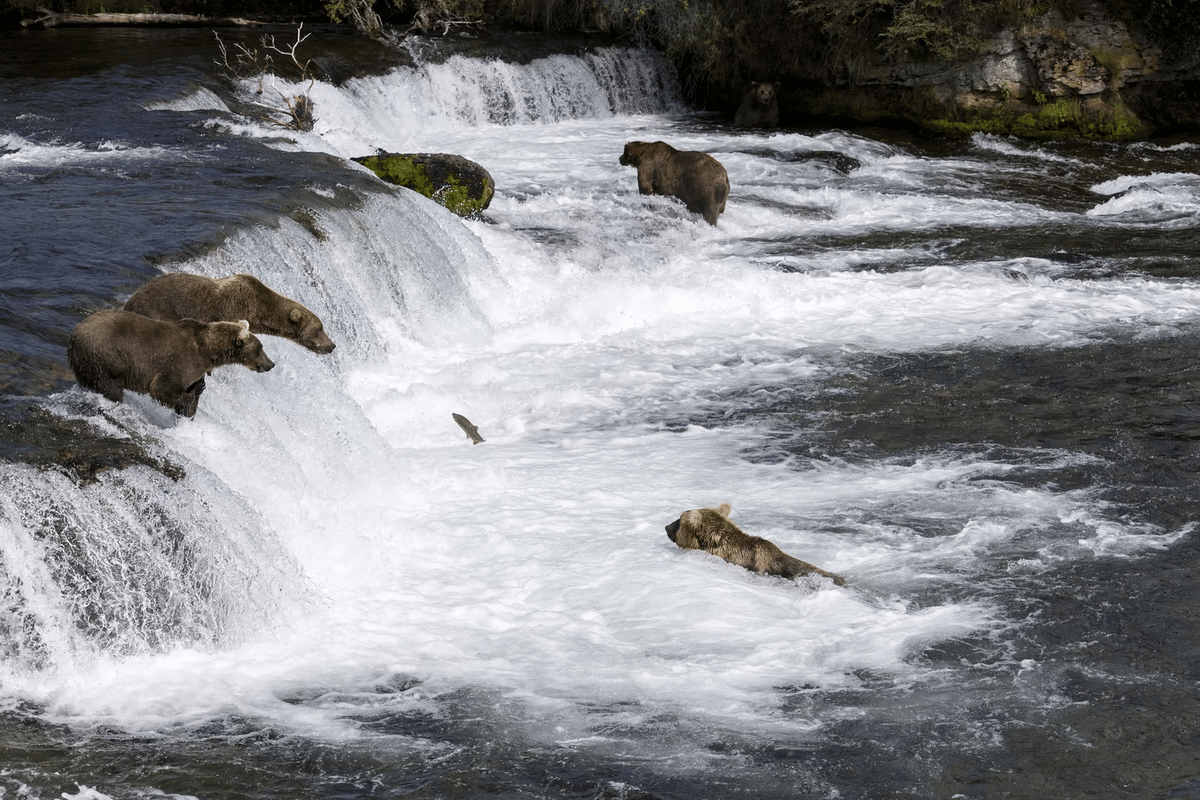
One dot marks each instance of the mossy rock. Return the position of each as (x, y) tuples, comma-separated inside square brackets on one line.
[(459, 184)]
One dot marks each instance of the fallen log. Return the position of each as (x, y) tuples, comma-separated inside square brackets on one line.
[(51, 19)]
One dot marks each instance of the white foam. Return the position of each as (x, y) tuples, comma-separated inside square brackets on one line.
[(1016, 148), (18, 152), (200, 99), (1153, 180)]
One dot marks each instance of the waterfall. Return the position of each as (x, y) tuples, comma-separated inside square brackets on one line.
[(137, 561), (474, 92), (142, 560)]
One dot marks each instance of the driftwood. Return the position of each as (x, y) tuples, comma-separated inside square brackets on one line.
[(50, 19), (249, 62), (426, 24), (470, 429)]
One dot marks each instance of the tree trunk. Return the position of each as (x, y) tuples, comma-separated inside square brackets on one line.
[(49, 19)]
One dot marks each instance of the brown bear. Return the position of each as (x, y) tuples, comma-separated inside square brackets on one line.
[(760, 106), (696, 178), (710, 529), (111, 351), (179, 295)]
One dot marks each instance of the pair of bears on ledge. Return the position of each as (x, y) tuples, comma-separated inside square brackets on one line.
[(177, 328)]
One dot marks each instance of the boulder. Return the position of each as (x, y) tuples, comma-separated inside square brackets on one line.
[(459, 184)]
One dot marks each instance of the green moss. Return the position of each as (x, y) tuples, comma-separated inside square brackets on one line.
[(1025, 122), (1062, 118), (457, 197), (451, 181), (402, 171)]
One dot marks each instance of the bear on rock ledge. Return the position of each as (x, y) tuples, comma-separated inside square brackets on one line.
[(180, 295), (111, 351)]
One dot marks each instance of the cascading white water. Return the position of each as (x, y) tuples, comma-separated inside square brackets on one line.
[(599, 339), (135, 562)]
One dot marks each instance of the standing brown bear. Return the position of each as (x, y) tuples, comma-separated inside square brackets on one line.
[(696, 178), (111, 351), (760, 106), (179, 295), (710, 529)]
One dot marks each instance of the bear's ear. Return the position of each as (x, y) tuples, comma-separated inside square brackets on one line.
[(244, 334), (776, 85), (724, 510), (295, 315)]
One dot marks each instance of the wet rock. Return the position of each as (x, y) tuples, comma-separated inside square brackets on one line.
[(33, 435), (838, 161), (461, 185), (1051, 76)]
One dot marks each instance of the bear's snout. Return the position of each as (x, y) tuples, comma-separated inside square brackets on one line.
[(673, 529), (264, 364), (322, 344)]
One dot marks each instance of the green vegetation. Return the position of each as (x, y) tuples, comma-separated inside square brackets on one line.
[(360, 13), (460, 185), (833, 57), (1065, 118)]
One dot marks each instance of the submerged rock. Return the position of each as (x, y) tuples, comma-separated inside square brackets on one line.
[(457, 183)]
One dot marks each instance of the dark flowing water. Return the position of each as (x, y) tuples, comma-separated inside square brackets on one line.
[(963, 375)]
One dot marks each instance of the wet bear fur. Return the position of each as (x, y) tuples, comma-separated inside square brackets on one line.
[(760, 106), (696, 178), (111, 351), (180, 295), (711, 530)]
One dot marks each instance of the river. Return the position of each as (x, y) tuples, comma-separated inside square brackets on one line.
[(960, 374)]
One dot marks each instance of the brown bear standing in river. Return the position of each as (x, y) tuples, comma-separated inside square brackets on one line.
[(111, 351), (179, 295), (696, 178), (709, 529), (760, 106)]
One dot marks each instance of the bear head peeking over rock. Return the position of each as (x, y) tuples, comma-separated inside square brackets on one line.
[(179, 295), (711, 530), (760, 106), (111, 351), (698, 179)]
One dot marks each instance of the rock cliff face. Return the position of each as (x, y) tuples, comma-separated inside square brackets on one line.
[(1054, 77)]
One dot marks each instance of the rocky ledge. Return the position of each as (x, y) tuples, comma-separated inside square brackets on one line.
[(1090, 76)]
